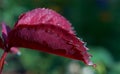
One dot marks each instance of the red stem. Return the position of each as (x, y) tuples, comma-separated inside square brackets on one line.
[(2, 61)]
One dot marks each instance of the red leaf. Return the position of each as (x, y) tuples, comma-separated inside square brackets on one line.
[(44, 16), (5, 30), (49, 38), (1, 43), (43, 30)]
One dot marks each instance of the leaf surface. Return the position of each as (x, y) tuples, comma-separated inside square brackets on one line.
[(44, 16), (49, 38)]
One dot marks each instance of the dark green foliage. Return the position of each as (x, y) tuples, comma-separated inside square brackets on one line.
[(98, 25)]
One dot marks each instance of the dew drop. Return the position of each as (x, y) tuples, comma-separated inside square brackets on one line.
[(75, 32), (81, 39), (78, 38), (86, 48), (43, 8), (43, 21), (63, 27), (85, 43), (18, 53), (73, 28), (90, 56), (58, 24)]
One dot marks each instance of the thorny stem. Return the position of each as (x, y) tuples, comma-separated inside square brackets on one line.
[(2, 61)]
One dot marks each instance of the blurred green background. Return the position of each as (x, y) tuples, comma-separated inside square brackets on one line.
[(96, 21)]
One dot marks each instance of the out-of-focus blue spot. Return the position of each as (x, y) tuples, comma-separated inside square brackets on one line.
[(102, 4)]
